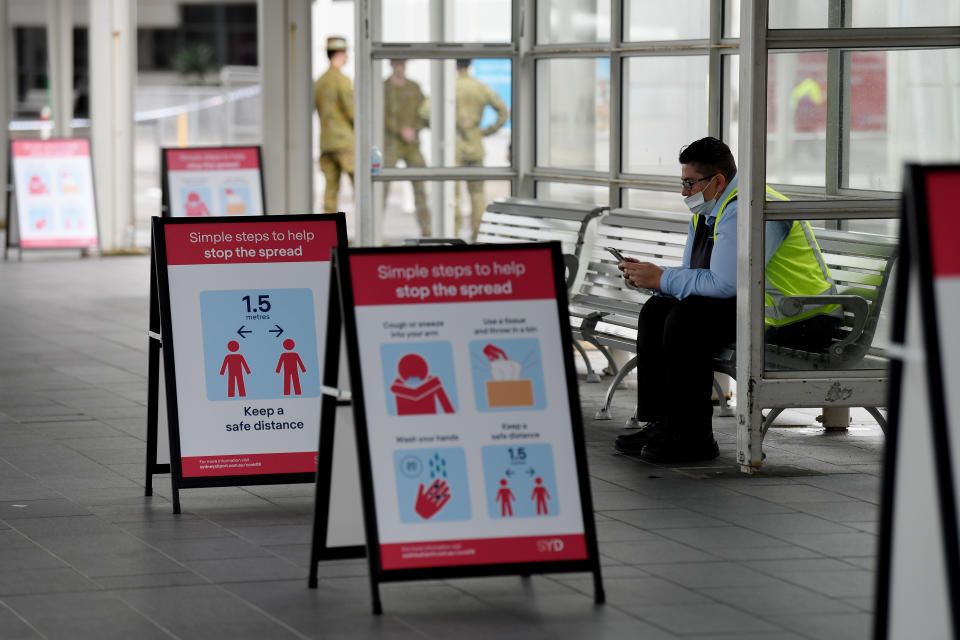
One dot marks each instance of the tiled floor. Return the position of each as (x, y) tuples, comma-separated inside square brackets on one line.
[(695, 552)]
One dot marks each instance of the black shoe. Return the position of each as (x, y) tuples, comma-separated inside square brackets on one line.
[(675, 449), (634, 443)]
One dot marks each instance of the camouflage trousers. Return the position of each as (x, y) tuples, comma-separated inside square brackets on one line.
[(478, 201), (411, 156), (333, 164)]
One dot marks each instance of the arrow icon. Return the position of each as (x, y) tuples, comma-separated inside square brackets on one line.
[(242, 332), (531, 472), (278, 330), (508, 472)]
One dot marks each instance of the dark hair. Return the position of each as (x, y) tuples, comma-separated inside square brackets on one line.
[(333, 52), (709, 156), (463, 63)]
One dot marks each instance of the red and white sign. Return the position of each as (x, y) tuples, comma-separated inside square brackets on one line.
[(207, 182), (54, 194), (468, 418), (248, 306)]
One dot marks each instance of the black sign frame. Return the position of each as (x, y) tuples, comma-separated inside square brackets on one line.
[(915, 254), (378, 575), (177, 480)]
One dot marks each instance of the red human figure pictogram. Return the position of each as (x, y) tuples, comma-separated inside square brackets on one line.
[(417, 391), (541, 495), (505, 497), (290, 361), (235, 364), (195, 206)]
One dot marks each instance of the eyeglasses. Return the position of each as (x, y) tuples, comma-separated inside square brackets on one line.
[(688, 184)]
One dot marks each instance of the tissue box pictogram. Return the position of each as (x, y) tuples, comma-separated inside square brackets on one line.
[(507, 374), (510, 393)]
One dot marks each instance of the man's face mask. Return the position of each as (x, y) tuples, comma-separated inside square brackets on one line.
[(697, 204)]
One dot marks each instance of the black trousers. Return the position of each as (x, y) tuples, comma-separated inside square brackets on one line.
[(676, 342)]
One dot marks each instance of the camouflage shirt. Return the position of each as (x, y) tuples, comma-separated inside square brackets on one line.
[(401, 107), (472, 97), (333, 94)]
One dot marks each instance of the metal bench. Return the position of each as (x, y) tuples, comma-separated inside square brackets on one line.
[(604, 310), (861, 265)]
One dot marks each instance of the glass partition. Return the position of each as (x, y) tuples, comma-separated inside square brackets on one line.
[(903, 107), (797, 118), (569, 21), (665, 107), (464, 20), (573, 113), (570, 192), (656, 200), (814, 14), (476, 118), (811, 336), (406, 204), (648, 20)]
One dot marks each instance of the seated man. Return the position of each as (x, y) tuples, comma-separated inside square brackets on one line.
[(694, 312)]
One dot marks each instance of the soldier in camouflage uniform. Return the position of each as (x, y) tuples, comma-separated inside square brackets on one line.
[(472, 97), (403, 103), (333, 95)]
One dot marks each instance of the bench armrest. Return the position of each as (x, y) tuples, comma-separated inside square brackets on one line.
[(571, 263), (792, 305), (589, 325)]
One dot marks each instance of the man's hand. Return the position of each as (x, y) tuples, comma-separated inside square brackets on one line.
[(641, 274), (409, 134)]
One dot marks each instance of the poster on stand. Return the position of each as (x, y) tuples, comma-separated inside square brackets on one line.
[(243, 303), (55, 203), (918, 572), (468, 418), (203, 182)]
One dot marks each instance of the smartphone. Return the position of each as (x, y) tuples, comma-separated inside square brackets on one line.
[(616, 254)]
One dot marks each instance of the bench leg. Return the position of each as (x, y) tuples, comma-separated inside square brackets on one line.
[(882, 421), (611, 365), (749, 431), (725, 410), (774, 413), (591, 374), (603, 413)]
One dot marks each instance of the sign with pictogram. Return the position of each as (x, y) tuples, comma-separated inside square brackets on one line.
[(918, 574), (243, 304), (55, 204), (469, 428), (202, 182)]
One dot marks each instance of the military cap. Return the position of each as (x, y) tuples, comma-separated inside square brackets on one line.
[(336, 43)]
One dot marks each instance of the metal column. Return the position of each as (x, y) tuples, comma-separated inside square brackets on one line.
[(365, 232), (286, 100), (113, 68), (6, 73), (750, 323), (60, 64)]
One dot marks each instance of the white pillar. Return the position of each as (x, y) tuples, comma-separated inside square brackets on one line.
[(365, 13), (60, 64), (286, 90), (6, 76), (113, 68)]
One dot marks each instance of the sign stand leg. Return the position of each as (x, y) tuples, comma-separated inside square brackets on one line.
[(153, 384), (377, 605), (599, 596)]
